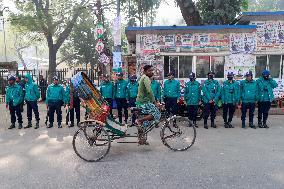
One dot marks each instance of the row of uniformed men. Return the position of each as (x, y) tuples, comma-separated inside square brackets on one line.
[(56, 96), (247, 93)]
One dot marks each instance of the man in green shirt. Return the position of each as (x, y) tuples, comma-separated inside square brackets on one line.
[(266, 96), (146, 101)]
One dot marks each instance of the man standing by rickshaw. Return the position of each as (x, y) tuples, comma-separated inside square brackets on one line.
[(120, 94), (171, 94), (106, 89)]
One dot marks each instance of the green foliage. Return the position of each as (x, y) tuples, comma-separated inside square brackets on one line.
[(142, 11), (265, 5), (220, 11)]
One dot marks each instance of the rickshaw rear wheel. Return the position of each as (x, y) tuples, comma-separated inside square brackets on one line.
[(91, 142)]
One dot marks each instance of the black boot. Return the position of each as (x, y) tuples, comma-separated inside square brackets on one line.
[(265, 125), (37, 125), (29, 125), (243, 124), (20, 126), (205, 124), (71, 125), (59, 125), (251, 125), (50, 125), (12, 126), (213, 124), (230, 125), (226, 125), (260, 124)]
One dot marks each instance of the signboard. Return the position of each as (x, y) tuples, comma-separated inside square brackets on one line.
[(100, 46), (99, 31)]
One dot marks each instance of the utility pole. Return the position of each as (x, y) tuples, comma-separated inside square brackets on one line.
[(4, 33)]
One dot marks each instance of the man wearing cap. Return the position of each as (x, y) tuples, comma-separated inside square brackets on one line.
[(156, 88), (14, 98), (106, 89), (171, 93), (230, 98), (120, 95), (192, 97), (31, 97), (266, 96), (211, 93), (55, 98), (249, 97)]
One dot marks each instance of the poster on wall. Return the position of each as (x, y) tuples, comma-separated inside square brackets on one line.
[(178, 40), (249, 42), (239, 71), (148, 44), (219, 41), (158, 69), (236, 43), (240, 60), (279, 91), (270, 35)]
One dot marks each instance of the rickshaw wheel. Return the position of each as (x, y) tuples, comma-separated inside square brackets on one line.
[(178, 133), (91, 142)]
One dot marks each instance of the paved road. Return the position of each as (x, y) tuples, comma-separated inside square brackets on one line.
[(220, 158)]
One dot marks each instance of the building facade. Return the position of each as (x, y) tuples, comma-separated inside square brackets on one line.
[(255, 42)]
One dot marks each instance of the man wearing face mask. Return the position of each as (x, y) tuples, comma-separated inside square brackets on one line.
[(266, 96), (249, 96), (171, 94), (192, 97), (230, 98), (211, 93), (106, 89)]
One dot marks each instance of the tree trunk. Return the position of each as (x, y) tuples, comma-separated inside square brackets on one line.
[(52, 62), (189, 12)]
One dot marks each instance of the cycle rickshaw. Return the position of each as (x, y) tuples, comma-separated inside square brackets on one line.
[(92, 141)]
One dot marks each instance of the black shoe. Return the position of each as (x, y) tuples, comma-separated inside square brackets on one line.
[(230, 125), (20, 126), (50, 125), (59, 125), (260, 125), (243, 125), (213, 125), (78, 123), (29, 125), (71, 125), (12, 126), (205, 126), (265, 126), (251, 125), (226, 125), (37, 125)]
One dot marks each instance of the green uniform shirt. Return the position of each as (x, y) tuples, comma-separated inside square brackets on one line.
[(156, 88), (120, 89), (230, 92), (132, 90), (172, 89), (32, 91), (211, 90), (265, 89), (14, 93), (106, 89), (55, 93), (249, 91), (145, 94), (192, 93)]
